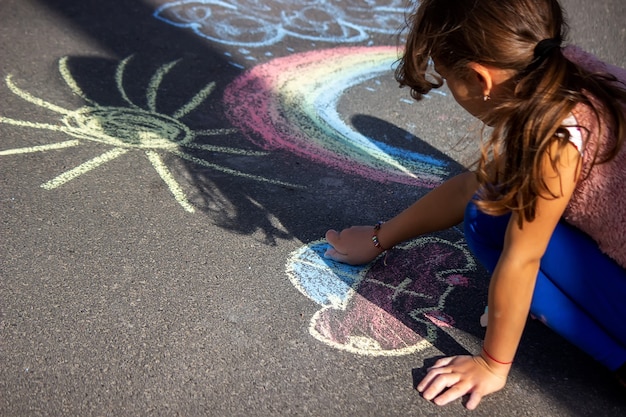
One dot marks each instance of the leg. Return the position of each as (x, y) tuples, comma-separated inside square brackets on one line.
[(579, 290), (593, 289)]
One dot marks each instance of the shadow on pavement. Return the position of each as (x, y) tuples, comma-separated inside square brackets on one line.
[(244, 189)]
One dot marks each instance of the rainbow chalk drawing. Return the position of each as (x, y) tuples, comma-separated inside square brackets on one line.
[(260, 23), (129, 128), (291, 103), (377, 309)]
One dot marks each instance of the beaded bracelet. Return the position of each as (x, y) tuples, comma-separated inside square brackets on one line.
[(494, 359), (375, 236)]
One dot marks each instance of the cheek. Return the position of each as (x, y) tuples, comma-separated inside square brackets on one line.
[(466, 102), (470, 102), (458, 90), (472, 107)]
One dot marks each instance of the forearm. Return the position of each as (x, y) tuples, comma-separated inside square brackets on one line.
[(510, 295), (440, 209)]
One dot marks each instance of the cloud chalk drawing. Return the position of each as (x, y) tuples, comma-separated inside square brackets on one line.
[(378, 309), (261, 23), (291, 103)]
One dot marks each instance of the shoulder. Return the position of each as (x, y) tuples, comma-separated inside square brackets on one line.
[(600, 115), (573, 127), (593, 64), (592, 113)]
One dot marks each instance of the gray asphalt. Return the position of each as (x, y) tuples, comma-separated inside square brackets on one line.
[(136, 280)]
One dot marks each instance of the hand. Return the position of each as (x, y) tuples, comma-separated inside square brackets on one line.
[(353, 246), (461, 375)]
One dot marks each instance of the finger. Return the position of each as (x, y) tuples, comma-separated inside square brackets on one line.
[(473, 401), (332, 236), (440, 383), (431, 377), (442, 362), (333, 254), (433, 371), (428, 379), (455, 392)]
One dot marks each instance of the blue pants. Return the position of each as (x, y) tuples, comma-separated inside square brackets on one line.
[(580, 292)]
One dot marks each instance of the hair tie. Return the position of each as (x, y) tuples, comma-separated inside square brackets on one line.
[(544, 47), (541, 52)]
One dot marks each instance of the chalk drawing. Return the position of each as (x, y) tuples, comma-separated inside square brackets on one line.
[(291, 103), (129, 128), (260, 23), (377, 309)]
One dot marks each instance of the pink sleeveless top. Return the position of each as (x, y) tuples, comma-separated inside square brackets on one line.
[(598, 204)]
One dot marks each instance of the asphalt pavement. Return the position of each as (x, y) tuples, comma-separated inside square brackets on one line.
[(167, 172)]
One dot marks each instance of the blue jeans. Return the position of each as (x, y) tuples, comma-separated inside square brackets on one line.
[(580, 292)]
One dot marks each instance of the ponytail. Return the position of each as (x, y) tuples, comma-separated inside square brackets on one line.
[(524, 36), (531, 123)]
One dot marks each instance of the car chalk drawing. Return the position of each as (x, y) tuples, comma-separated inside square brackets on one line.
[(129, 128), (386, 308), (290, 103)]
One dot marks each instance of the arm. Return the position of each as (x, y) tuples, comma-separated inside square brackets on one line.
[(516, 272), (510, 294), (441, 208)]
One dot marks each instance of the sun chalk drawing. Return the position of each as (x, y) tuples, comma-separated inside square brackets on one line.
[(259, 23), (129, 128), (291, 103), (377, 309)]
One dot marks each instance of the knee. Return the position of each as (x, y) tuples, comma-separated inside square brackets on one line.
[(483, 227), (471, 219), (472, 227), (484, 234)]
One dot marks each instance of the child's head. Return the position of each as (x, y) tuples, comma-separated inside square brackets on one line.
[(540, 87), (497, 33)]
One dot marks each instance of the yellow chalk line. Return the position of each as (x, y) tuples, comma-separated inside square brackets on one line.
[(34, 125), (71, 82), (360, 350), (216, 167), (83, 168), (214, 132), (119, 80), (32, 99), (169, 179), (195, 101), (41, 148), (224, 149), (155, 82)]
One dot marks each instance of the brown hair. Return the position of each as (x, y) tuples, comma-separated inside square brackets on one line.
[(505, 34)]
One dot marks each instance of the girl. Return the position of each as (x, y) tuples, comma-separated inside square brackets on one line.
[(545, 208)]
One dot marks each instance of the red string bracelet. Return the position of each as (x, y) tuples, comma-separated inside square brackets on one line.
[(494, 359)]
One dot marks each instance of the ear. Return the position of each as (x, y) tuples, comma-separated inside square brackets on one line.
[(483, 76)]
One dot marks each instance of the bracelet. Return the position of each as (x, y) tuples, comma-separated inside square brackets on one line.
[(375, 236), (494, 359)]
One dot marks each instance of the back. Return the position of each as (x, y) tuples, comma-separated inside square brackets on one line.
[(598, 205)]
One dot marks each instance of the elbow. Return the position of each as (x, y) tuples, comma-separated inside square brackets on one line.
[(522, 262)]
